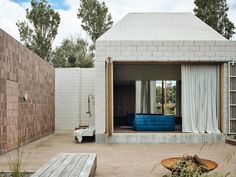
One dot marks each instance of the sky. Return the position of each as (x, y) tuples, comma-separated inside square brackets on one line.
[(13, 10)]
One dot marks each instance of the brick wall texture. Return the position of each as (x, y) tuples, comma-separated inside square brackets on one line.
[(24, 73)]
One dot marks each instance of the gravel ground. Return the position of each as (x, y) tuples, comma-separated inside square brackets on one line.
[(121, 160)]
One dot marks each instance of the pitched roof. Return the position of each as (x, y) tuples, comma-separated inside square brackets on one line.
[(161, 26)]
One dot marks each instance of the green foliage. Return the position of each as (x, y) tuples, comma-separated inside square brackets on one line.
[(158, 94), (170, 93), (15, 165), (40, 29), (189, 166), (214, 13), (73, 53), (95, 18), (217, 174), (182, 167)]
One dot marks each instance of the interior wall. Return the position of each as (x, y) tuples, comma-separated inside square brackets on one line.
[(26, 95), (124, 101), (72, 87)]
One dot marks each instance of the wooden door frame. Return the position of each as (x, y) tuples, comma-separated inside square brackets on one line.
[(109, 104)]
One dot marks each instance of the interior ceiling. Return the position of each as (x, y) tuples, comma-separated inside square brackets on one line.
[(127, 72)]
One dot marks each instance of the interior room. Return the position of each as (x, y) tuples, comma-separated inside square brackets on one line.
[(149, 92)]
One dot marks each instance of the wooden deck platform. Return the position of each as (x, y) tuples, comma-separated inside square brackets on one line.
[(69, 165)]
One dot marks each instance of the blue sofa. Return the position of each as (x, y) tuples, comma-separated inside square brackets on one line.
[(153, 122)]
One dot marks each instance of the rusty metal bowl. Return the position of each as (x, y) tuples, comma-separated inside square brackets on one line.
[(168, 163)]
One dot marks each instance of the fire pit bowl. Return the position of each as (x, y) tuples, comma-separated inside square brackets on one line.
[(168, 163)]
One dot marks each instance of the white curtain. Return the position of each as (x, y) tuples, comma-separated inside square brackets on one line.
[(200, 98), (145, 100)]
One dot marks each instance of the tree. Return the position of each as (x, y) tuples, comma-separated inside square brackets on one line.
[(170, 93), (73, 53), (95, 18), (214, 13), (159, 94), (40, 29)]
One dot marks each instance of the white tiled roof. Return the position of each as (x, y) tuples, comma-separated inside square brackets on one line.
[(161, 26)]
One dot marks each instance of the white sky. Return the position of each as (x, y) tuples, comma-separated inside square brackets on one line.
[(11, 11)]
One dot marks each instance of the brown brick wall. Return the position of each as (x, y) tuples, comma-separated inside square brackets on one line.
[(3, 114), (12, 114), (24, 73)]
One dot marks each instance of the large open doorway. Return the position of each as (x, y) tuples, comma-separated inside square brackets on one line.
[(151, 90)]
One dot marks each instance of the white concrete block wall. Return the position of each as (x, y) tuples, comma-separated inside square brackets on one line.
[(226, 98), (100, 97), (166, 50), (157, 51), (72, 86), (67, 98), (87, 81)]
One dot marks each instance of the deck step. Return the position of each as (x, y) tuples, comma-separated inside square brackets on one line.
[(157, 138)]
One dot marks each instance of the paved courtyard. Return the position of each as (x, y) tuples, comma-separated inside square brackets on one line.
[(122, 160)]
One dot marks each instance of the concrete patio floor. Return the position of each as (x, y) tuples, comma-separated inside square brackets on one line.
[(121, 160)]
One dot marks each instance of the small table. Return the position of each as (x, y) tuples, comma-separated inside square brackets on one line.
[(69, 165)]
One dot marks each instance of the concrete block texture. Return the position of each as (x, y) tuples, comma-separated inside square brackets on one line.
[(163, 51), (176, 51), (73, 87), (26, 95)]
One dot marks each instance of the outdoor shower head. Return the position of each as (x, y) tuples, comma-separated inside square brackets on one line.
[(90, 96)]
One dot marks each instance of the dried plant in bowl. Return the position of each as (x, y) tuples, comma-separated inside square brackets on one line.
[(188, 166)]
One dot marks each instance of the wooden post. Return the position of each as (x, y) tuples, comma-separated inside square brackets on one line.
[(109, 97), (106, 97)]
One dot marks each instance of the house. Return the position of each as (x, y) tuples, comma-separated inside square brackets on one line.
[(144, 49)]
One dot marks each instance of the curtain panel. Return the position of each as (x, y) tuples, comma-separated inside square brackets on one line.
[(145, 99), (200, 98)]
